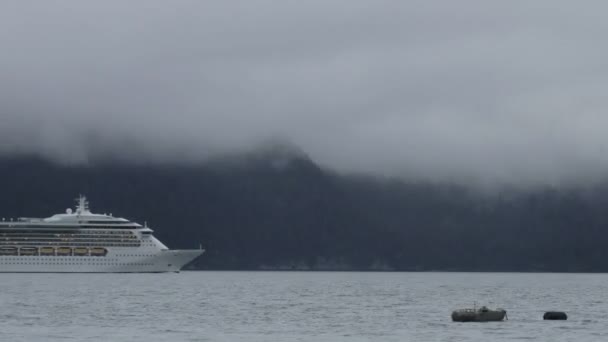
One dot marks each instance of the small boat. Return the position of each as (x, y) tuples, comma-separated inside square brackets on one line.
[(482, 314)]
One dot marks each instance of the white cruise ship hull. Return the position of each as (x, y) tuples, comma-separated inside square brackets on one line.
[(163, 261), (83, 242)]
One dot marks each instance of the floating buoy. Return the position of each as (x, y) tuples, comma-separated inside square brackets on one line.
[(555, 316)]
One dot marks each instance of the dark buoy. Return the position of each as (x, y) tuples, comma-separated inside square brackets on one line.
[(555, 316)]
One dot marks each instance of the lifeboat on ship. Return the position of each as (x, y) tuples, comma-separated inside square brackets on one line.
[(64, 251), (28, 251), (98, 251), (8, 251), (47, 251), (81, 251)]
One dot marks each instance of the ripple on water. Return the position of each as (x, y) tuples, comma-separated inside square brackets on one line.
[(297, 306)]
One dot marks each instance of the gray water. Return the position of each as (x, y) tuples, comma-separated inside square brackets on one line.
[(297, 306)]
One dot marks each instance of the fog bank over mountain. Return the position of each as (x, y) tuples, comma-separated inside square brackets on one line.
[(469, 92)]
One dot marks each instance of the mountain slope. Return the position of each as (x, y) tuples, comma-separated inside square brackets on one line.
[(276, 210)]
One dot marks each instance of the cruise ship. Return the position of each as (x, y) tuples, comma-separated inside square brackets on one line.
[(80, 241)]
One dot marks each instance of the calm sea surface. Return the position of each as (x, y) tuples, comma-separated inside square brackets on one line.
[(297, 306)]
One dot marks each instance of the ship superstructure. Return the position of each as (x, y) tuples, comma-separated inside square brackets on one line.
[(81, 241)]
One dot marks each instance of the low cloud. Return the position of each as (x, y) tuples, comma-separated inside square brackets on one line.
[(469, 91)]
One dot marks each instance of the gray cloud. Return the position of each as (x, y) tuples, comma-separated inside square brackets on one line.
[(466, 91)]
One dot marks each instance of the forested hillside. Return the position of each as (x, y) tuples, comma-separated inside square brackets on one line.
[(281, 211)]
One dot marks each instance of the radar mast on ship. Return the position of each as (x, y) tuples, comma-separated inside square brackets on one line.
[(83, 205)]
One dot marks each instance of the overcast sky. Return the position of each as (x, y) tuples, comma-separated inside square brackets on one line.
[(507, 91)]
